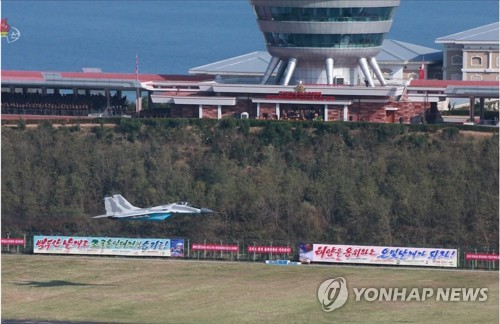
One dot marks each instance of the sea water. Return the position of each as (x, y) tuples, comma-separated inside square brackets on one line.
[(172, 36)]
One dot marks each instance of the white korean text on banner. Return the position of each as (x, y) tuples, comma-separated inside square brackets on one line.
[(409, 256), (215, 247), (269, 249), (482, 257), (13, 241), (108, 246)]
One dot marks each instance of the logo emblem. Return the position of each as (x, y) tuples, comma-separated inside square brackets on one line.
[(333, 294), (10, 33), (300, 87)]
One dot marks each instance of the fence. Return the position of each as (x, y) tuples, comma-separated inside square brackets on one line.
[(483, 258), (250, 250), (480, 258), (15, 245)]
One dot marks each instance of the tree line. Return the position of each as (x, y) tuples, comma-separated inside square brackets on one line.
[(323, 182)]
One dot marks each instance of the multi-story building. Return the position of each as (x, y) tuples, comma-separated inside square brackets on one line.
[(472, 55), (324, 42)]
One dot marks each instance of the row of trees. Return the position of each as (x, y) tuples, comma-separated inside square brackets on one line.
[(380, 185)]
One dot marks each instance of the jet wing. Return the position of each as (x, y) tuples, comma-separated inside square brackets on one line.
[(133, 214), (141, 213), (103, 216)]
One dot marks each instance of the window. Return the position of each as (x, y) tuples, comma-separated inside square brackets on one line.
[(324, 14), (323, 40), (456, 60), (476, 61)]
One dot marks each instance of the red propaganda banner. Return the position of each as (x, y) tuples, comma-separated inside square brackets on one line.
[(482, 257), (270, 249), (13, 241), (291, 95), (215, 247)]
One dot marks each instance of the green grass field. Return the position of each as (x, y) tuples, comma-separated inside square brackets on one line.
[(127, 290)]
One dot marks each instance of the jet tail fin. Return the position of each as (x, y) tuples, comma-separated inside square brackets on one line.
[(112, 207), (120, 200)]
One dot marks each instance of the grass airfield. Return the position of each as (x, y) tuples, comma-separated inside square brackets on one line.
[(129, 290)]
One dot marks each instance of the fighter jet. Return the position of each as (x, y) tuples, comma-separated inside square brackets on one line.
[(117, 207)]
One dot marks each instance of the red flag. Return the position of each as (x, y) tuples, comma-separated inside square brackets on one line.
[(422, 71)]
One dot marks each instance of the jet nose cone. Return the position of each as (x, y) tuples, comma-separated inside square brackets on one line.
[(206, 210)]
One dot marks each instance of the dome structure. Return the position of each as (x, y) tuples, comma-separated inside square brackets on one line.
[(324, 41)]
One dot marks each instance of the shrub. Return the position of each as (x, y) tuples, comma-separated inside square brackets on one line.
[(450, 132)]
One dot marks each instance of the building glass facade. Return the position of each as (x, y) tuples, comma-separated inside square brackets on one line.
[(324, 40), (327, 36), (324, 14)]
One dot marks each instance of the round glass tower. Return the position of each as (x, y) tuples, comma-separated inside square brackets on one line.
[(324, 41)]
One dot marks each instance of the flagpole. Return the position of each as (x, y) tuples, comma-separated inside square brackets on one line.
[(137, 91), (136, 67)]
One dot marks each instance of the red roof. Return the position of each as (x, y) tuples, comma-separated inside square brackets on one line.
[(22, 75), (38, 76), (446, 83)]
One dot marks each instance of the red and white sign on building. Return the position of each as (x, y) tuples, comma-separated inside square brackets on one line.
[(269, 249), (215, 247)]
